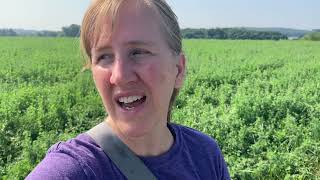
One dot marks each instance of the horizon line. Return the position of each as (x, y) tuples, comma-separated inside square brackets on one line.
[(275, 27)]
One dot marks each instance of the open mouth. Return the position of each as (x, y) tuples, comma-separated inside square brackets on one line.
[(131, 102)]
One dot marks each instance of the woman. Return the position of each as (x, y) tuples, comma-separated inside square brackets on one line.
[(134, 51)]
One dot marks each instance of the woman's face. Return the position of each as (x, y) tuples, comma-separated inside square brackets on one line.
[(134, 70)]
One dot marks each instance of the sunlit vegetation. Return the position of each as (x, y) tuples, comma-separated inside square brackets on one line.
[(259, 99)]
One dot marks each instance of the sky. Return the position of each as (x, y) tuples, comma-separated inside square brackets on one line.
[(54, 14)]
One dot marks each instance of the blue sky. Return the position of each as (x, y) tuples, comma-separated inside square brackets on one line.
[(53, 14)]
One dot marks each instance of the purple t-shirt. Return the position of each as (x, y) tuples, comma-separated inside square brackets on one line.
[(193, 155)]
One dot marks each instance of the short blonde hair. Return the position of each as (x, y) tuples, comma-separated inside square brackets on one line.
[(100, 9)]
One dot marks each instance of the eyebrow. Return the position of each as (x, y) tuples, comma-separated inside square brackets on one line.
[(129, 43), (140, 43)]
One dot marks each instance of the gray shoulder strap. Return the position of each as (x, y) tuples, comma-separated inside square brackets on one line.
[(128, 163)]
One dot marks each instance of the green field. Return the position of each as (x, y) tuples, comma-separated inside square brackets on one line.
[(259, 99)]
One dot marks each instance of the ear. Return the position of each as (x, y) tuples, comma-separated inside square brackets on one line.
[(181, 66)]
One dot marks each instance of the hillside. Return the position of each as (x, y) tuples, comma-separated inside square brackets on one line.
[(286, 31)]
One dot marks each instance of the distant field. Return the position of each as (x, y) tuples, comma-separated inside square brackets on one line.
[(259, 99)]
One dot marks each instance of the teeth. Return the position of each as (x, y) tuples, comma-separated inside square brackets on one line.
[(129, 99)]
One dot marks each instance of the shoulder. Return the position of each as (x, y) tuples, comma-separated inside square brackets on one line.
[(204, 151), (72, 159), (195, 137)]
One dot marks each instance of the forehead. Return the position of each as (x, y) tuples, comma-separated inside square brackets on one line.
[(135, 21)]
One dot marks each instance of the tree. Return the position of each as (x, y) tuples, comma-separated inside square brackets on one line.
[(48, 33), (314, 36), (194, 33), (7, 32), (71, 31), (216, 34)]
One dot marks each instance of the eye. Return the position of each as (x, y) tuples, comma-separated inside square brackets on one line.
[(139, 53), (105, 58)]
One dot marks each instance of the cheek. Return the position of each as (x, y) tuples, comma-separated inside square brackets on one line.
[(153, 74), (101, 78), (159, 73), (161, 79)]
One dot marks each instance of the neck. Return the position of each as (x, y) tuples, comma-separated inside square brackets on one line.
[(154, 143)]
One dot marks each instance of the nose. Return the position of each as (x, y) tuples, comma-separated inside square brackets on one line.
[(122, 72)]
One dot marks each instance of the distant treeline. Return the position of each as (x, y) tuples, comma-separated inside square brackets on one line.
[(215, 33), (230, 33), (69, 31), (313, 36), (7, 32)]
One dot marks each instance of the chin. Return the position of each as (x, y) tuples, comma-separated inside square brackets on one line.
[(135, 128)]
